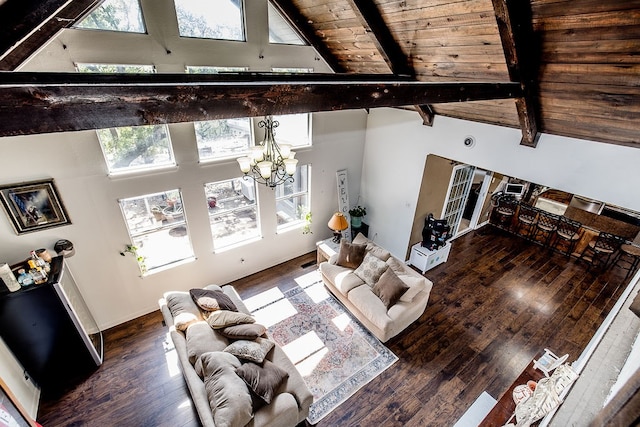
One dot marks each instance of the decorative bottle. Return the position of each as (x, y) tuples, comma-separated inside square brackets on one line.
[(37, 273), (8, 278), (25, 279)]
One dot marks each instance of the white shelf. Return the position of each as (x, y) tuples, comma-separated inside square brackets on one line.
[(424, 259)]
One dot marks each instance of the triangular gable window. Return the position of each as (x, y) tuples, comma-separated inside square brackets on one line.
[(280, 31), (115, 15)]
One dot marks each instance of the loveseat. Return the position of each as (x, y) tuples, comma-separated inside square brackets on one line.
[(382, 292), (217, 348)]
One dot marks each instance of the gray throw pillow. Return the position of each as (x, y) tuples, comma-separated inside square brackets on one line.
[(371, 269), (212, 300), (263, 380), (254, 351), (182, 308), (247, 331), (223, 318)]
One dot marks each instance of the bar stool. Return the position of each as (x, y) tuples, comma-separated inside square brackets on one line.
[(598, 252), (505, 211), (628, 258), (527, 220), (568, 233), (546, 226)]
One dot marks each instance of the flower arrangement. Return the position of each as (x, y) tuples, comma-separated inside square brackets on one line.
[(358, 211)]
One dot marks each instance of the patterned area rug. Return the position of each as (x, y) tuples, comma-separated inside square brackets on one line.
[(334, 353)]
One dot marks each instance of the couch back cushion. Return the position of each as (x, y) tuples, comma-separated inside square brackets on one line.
[(372, 248), (415, 281), (202, 339), (183, 309)]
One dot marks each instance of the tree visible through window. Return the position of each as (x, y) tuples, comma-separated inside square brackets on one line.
[(115, 15), (292, 199), (212, 19), (158, 228), (233, 211)]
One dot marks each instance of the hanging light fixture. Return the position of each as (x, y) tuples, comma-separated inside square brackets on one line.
[(269, 163)]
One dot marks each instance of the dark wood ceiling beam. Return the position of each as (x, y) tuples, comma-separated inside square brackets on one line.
[(374, 24), (33, 103), (44, 31), (521, 53), (305, 30)]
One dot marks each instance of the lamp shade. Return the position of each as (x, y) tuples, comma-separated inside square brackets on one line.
[(338, 222)]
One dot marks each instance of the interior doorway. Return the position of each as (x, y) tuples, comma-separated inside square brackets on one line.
[(475, 201)]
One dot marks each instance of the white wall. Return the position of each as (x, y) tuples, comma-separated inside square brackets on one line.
[(397, 145)]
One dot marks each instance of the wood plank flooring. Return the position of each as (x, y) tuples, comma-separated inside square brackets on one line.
[(496, 302)]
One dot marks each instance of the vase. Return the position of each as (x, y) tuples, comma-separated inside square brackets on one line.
[(356, 221)]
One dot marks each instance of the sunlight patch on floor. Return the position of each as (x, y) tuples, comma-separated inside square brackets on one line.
[(317, 292), (263, 299), (170, 354), (306, 352), (342, 321), (274, 313), (308, 279), (185, 404)]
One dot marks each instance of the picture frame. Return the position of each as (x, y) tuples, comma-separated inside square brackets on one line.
[(12, 413), (33, 206)]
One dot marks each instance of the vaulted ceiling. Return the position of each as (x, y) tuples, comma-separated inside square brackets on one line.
[(563, 67)]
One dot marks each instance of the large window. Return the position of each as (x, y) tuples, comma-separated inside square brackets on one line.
[(233, 212), (294, 129), (114, 68), (207, 69), (212, 19), (158, 228), (280, 31), (293, 201), (115, 15)]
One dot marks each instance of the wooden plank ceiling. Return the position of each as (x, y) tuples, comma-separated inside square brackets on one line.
[(576, 61)]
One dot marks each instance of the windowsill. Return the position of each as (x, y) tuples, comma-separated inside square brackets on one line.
[(168, 266), (237, 245), (139, 172), (290, 227)]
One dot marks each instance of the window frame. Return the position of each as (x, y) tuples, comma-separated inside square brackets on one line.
[(298, 222), (243, 26)]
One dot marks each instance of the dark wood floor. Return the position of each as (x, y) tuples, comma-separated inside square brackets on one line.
[(497, 302)]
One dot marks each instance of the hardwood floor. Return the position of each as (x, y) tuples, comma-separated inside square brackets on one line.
[(497, 302)]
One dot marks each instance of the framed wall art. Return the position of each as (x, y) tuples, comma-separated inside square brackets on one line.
[(33, 206)]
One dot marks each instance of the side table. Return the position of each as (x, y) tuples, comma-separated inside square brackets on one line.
[(424, 259), (326, 248)]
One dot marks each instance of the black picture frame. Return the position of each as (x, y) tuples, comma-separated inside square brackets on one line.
[(33, 206)]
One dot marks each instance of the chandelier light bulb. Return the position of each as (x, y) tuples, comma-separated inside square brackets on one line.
[(245, 164), (290, 166)]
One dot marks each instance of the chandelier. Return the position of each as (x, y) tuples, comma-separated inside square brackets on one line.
[(269, 163)]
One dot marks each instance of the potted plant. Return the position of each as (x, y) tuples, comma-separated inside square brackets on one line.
[(356, 215)]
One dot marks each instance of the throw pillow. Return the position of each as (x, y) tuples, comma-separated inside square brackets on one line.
[(263, 380), (202, 339), (247, 331), (254, 351), (350, 255), (209, 300), (183, 320), (389, 288), (415, 281), (180, 303), (228, 394), (223, 318), (371, 269)]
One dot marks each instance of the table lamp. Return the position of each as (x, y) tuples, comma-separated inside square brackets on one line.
[(337, 224)]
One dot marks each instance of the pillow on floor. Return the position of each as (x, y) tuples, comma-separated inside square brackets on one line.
[(254, 351), (263, 380), (223, 318), (228, 394), (371, 269), (247, 331), (389, 288), (210, 300), (350, 255)]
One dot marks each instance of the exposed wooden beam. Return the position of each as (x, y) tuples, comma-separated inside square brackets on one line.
[(33, 103), (373, 22), (44, 31), (301, 24), (521, 53)]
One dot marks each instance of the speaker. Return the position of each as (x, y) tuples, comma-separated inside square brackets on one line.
[(469, 141)]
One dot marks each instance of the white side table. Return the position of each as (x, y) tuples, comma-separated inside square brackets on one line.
[(424, 259), (326, 248)]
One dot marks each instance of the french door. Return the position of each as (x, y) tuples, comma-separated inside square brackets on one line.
[(459, 187)]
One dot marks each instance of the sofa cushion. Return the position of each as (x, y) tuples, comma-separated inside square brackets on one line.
[(223, 318), (212, 300), (350, 255), (372, 248), (254, 351), (370, 306), (228, 394), (183, 310), (202, 339), (413, 280), (263, 380), (389, 288), (371, 269), (246, 331), (342, 278)]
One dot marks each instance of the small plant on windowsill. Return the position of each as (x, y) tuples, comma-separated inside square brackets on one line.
[(306, 216), (356, 215), (139, 258)]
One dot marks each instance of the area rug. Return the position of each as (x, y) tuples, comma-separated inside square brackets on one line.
[(333, 352)]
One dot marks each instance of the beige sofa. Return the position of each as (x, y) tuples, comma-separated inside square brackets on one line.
[(347, 284), (199, 346)]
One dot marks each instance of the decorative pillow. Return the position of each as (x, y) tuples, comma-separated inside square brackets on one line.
[(223, 318), (389, 288), (183, 320), (415, 282), (371, 269), (372, 248), (228, 394), (254, 351), (202, 339), (181, 303), (350, 255), (247, 331), (263, 380), (209, 300)]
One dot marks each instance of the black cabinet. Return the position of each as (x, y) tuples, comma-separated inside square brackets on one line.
[(50, 330)]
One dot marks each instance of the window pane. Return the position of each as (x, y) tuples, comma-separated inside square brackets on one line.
[(223, 138), (292, 199), (158, 227), (233, 213), (136, 148), (280, 31), (212, 19), (214, 70), (114, 68), (293, 129), (115, 15)]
